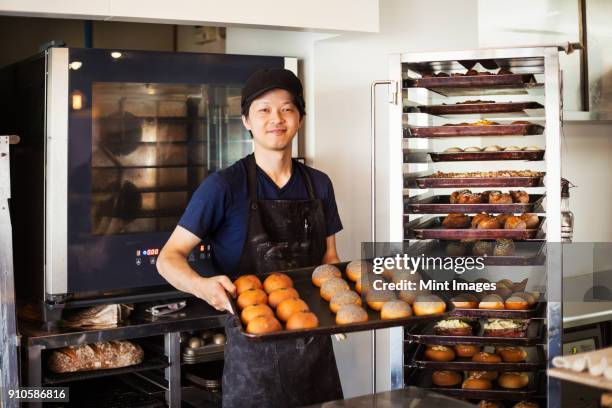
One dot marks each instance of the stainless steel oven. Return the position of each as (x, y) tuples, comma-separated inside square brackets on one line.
[(114, 143)]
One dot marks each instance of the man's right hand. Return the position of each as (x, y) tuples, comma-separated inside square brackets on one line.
[(214, 291)]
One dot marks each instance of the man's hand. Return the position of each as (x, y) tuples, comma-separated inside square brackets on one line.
[(214, 291)]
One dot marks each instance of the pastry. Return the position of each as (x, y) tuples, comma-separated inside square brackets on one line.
[(252, 297), (96, 356), (351, 314), (492, 302), (323, 273), (469, 199), (485, 194), (521, 122), (513, 380), (465, 301), (453, 327), (355, 268), (483, 122), (446, 378), (512, 149), (511, 354), (531, 220), (247, 282), (482, 248), (453, 150), (505, 328), (504, 71), (456, 221), (502, 218), (332, 286), (302, 320), (472, 149), (515, 222), (376, 299), (263, 324), (252, 311), (519, 196), (466, 350), (277, 280), (453, 199), (503, 247), (289, 307), (276, 297), (475, 383), (493, 148), (517, 303), (500, 198), (439, 353), (427, 305), (479, 217), (395, 309), (484, 357), (532, 148), (345, 297), (489, 223), (455, 248)]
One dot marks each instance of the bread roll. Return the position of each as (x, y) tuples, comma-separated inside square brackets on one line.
[(355, 269), (376, 299), (277, 296), (484, 357), (513, 380), (345, 297), (325, 272), (252, 311), (465, 301), (428, 305), (472, 149), (490, 404), (263, 324), (482, 248), (302, 320), (252, 297), (487, 375), (515, 222), (512, 149), (516, 303), (479, 217), (290, 306), (247, 282), (446, 378), (531, 220), (277, 280), (493, 148), (526, 404), (492, 302), (95, 356), (519, 196), (439, 353), (456, 248), (503, 247), (475, 383), (489, 223), (456, 221), (453, 150), (395, 309), (332, 286), (503, 198), (466, 350), (454, 197), (511, 354), (351, 314)]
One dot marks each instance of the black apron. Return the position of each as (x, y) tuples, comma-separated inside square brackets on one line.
[(281, 234)]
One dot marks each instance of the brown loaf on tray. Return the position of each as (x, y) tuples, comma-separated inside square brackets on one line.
[(96, 356)]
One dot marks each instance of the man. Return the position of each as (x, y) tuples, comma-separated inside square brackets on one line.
[(265, 213)]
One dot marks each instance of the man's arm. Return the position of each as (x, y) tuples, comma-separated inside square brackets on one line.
[(173, 266), (331, 254)]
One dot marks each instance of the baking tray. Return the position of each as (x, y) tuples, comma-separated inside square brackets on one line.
[(439, 204), (432, 229), (452, 182), (536, 311), (536, 360), (422, 379), (531, 155), (475, 108), (520, 129), (309, 293), (425, 334), (464, 81), (526, 253)]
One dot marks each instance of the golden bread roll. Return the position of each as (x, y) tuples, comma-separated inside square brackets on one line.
[(277, 280), (247, 282), (253, 311), (302, 320), (263, 324), (252, 297), (290, 306), (277, 296), (446, 378)]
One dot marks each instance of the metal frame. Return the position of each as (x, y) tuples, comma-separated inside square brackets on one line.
[(553, 118), (292, 65)]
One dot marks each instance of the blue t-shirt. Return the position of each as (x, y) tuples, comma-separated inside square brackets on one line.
[(218, 210)]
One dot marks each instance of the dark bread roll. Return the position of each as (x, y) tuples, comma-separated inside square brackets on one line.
[(489, 223), (515, 222), (456, 221), (503, 247), (470, 199), (502, 218), (531, 220), (482, 248), (519, 196), (454, 197), (96, 356), (479, 217), (503, 198), (486, 194)]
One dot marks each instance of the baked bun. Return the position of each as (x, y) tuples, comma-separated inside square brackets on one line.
[(345, 297), (512, 149), (513, 380), (247, 282), (395, 309), (263, 324), (453, 150), (487, 375), (503, 198), (252, 311), (456, 221), (439, 353), (410, 296), (277, 280), (532, 148), (502, 291), (531, 301), (469, 199), (482, 248), (487, 193), (493, 148), (454, 197), (290, 306), (323, 273), (489, 223), (377, 299), (484, 357), (502, 218), (531, 220), (351, 314), (519, 196), (332, 286), (472, 149), (511, 354), (479, 217), (516, 303), (465, 301), (475, 383), (252, 297), (490, 404), (515, 222), (428, 305), (526, 404), (358, 286), (355, 269), (455, 248), (276, 297), (503, 247), (466, 350), (446, 378), (492, 302), (302, 320)]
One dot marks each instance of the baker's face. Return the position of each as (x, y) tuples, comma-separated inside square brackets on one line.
[(273, 120)]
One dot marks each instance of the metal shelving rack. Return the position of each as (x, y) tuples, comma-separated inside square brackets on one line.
[(541, 61)]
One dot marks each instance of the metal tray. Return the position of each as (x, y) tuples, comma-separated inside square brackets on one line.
[(431, 229), (422, 379), (520, 129), (536, 311), (536, 360), (452, 182), (474, 108), (526, 253), (439, 204), (425, 334), (531, 155), (463, 81), (309, 293)]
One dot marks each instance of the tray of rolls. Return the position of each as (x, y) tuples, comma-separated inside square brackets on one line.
[(477, 106), (457, 226), (326, 299), (487, 385), (488, 153), (465, 201), (502, 252), (484, 331), (472, 78), (471, 357), (500, 178), (480, 128)]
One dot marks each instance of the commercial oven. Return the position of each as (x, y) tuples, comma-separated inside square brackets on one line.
[(113, 144)]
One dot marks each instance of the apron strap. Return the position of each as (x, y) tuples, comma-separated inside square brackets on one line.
[(306, 178)]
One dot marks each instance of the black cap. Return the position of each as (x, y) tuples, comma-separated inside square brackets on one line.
[(267, 79)]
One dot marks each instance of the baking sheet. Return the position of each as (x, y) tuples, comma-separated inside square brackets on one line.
[(432, 229), (531, 155), (440, 204), (537, 311), (452, 182), (519, 129), (536, 360), (309, 293), (475, 108), (526, 253), (584, 377)]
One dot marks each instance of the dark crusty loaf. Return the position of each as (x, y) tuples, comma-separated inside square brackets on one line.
[(96, 356)]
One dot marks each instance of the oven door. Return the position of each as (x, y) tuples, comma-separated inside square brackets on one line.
[(143, 130)]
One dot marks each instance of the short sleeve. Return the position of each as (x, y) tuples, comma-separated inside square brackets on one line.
[(332, 218), (207, 208)]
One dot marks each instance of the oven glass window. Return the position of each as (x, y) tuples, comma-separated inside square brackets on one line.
[(152, 145)]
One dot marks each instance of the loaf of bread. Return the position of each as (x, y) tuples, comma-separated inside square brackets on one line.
[(96, 356)]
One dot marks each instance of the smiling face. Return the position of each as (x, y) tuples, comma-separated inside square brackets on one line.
[(273, 120)]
